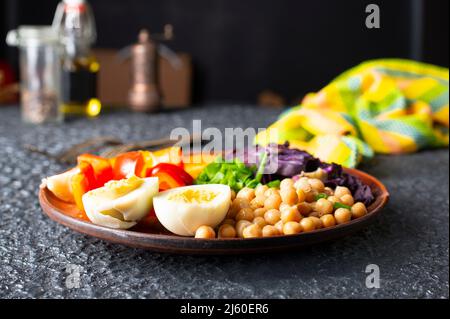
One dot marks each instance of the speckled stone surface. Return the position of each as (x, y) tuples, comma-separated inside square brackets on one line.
[(409, 242)]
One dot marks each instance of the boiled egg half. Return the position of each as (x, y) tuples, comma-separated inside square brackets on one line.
[(184, 209), (122, 203)]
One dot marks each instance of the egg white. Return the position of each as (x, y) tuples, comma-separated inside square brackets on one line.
[(183, 218), (133, 206)]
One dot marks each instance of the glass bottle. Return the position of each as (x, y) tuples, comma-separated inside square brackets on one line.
[(40, 72), (76, 26)]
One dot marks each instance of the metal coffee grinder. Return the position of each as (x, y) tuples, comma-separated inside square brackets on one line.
[(144, 94)]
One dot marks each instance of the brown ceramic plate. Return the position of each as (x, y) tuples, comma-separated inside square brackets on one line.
[(153, 237)]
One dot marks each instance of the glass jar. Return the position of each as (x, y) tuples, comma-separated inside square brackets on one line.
[(40, 72)]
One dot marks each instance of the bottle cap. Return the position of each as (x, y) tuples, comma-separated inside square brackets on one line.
[(74, 2)]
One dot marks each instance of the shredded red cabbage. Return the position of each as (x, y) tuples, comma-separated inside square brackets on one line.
[(283, 162)]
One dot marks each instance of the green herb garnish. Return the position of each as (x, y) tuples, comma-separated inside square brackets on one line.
[(340, 205), (321, 195), (232, 173), (274, 184)]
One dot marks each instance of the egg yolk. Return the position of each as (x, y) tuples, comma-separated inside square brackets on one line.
[(122, 187), (194, 195)]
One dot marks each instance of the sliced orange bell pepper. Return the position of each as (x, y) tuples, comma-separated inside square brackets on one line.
[(195, 163), (172, 155), (82, 182), (126, 163), (102, 168), (168, 181)]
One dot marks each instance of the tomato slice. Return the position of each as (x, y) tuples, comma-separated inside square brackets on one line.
[(102, 168), (126, 163)]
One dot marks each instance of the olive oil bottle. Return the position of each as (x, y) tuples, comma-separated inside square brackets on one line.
[(75, 23)]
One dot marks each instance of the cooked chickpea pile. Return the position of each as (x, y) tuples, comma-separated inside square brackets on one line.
[(301, 206)]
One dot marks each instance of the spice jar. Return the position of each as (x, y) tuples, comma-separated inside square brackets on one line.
[(40, 72)]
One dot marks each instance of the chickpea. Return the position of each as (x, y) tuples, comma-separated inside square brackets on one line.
[(259, 212), (240, 225), (233, 195), (205, 232), (342, 215), (279, 225), (260, 221), (233, 210), (254, 204), (245, 214), (359, 210), (260, 190), (286, 183), (252, 231), (272, 216), (317, 221), (272, 202), (242, 202), (308, 224), (301, 196), (246, 193), (329, 191), (227, 231), (229, 221), (258, 200), (291, 228), (304, 208), (347, 200), (311, 196), (324, 206), (341, 191), (236, 206), (289, 196), (271, 191), (270, 231), (318, 173), (317, 185), (290, 215), (334, 199), (283, 206), (314, 214), (303, 184), (328, 220)]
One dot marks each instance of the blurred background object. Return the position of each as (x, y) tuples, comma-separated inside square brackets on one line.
[(144, 93), (75, 24), (114, 80), (40, 72), (8, 87), (240, 48)]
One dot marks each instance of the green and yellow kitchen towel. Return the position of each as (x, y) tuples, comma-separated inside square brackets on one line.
[(388, 106)]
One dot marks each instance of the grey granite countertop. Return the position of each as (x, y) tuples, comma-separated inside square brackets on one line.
[(409, 242)]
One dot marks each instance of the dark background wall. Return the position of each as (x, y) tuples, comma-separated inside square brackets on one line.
[(241, 47)]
